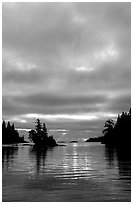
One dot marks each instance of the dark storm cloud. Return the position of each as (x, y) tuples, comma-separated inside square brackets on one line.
[(60, 100), (66, 58), (53, 104)]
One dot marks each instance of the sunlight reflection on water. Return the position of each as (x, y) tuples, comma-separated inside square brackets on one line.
[(76, 172)]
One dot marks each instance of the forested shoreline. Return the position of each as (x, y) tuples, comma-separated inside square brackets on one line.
[(117, 133), (10, 135)]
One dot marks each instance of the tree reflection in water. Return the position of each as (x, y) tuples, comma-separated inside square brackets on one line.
[(8, 153), (123, 157), (39, 154), (124, 162), (109, 153)]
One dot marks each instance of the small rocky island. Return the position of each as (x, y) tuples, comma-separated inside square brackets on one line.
[(39, 136)]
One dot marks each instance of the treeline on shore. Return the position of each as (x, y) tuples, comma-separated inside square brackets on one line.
[(10, 135), (117, 134), (39, 135)]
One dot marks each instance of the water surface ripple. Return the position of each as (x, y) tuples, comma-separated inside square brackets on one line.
[(77, 172)]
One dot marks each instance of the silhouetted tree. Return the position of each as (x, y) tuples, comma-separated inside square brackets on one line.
[(45, 130), (33, 136), (109, 125), (108, 130), (38, 127), (122, 129), (10, 134), (4, 132), (40, 137), (13, 127), (119, 134)]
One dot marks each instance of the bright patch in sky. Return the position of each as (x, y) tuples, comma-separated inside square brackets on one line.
[(17, 119), (59, 130), (14, 61), (23, 121), (108, 53), (24, 129), (62, 116), (83, 117), (84, 69)]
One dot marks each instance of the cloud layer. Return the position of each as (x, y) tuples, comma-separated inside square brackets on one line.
[(66, 59)]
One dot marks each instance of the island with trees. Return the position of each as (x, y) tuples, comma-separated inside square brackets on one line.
[(10, 135), (39, 136)]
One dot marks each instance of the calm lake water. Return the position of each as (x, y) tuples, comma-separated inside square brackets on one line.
[(77, 172)]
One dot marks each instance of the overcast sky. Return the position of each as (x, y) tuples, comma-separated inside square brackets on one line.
[(65, 63)]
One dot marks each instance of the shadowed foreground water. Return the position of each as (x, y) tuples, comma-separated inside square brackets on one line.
[(77, 172)]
